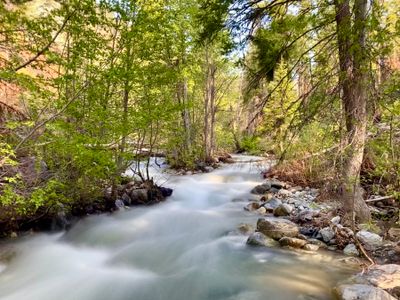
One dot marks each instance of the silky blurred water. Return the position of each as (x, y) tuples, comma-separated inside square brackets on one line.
[(182, 249)]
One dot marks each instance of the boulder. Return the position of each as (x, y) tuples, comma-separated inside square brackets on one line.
[(306, 216), (252, 206), (383, 276), (166, 192), (277, 228), (351, 250), (283, 210), (119, 204), (259, 239), (292, 242), (362, 292), (370, 240), (139, 196), (261, 189), (271, 204), (327, 234)]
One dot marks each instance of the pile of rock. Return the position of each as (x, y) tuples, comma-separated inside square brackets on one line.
[(145, 193), (312, 221), (271, 232), (292, 218)]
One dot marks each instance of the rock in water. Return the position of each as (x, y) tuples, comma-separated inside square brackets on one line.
[(351, 250), (262, 210), (277, 228), (311, 247), (166, 192), (292, 242), (271, 204), (127, 200), (259, 239), (119, 204), (370, 240), (261, 189), (252, 206), (283, 210), (362, 292)]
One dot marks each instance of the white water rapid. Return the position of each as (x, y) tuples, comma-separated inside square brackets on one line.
[(183, 249)]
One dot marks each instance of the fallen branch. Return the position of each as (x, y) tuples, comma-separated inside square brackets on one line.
[(379, 198), (364, 252)]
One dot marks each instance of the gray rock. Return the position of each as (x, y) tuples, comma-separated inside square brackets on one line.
[(261, 189), (208, 169), (126, 199), (283, 210), (119, 204), (370, 240), (292, 242), (252, 206), (311, 247), (306, 216), (362, 292), (259, 239), (277, 228), (327, 234), (351, 250), (271, 204)]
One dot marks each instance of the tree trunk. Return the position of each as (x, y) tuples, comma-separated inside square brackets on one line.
[(209, 107), (353, 81), (182, 95)]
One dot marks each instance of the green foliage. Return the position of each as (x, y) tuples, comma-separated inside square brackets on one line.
[(48, 197), (251, 145)]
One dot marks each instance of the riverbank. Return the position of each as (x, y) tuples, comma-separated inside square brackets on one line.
[(295, 217)]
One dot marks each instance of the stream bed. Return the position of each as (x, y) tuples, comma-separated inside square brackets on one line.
[(183, 249)]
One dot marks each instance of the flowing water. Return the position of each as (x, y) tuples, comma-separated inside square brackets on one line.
[(183, 249)]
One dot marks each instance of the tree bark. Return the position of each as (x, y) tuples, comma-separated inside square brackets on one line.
[(209, 108), (353, 81)]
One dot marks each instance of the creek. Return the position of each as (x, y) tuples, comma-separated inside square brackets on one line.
[(185, 248)]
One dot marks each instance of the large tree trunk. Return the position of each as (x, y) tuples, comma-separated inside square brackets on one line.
[(353, 81)]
